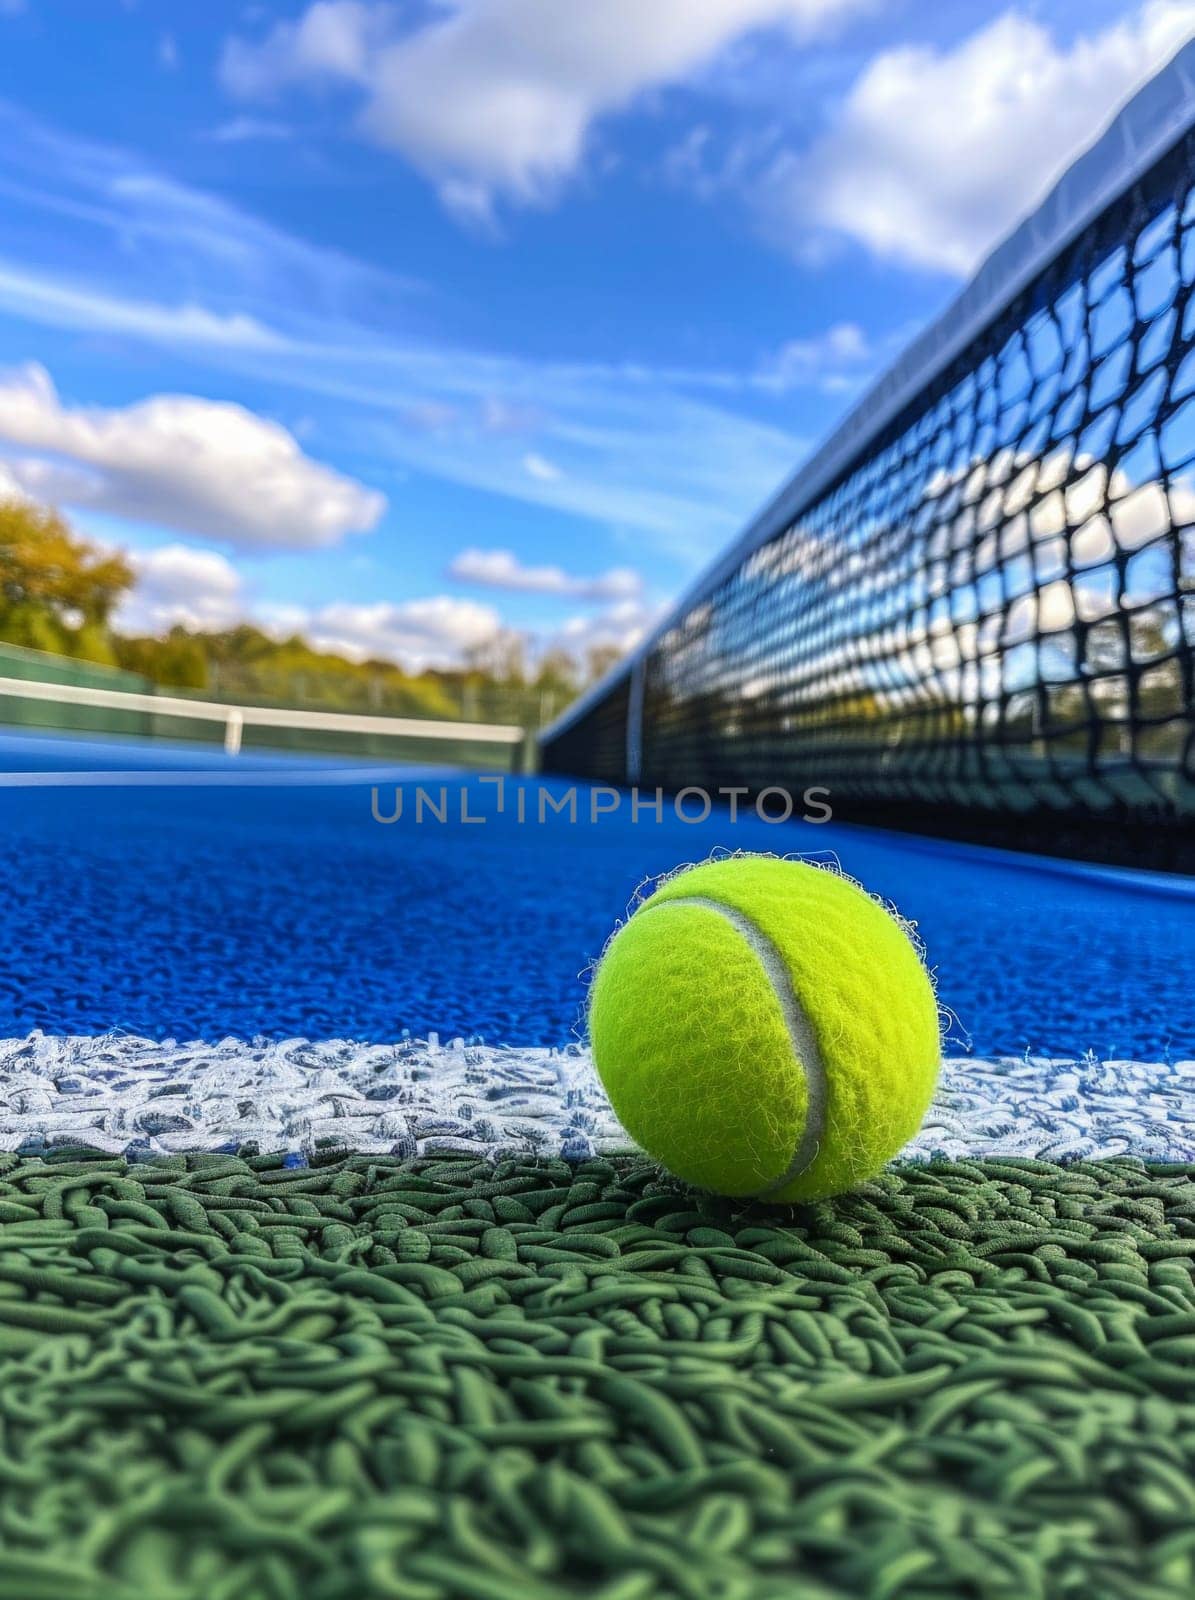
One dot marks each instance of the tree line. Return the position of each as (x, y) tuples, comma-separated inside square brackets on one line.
[(59, 592)]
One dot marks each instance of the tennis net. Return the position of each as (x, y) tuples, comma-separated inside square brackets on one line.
[(91, 709), (973, 611)]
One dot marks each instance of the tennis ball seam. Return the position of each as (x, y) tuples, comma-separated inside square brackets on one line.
[(802, 1036)]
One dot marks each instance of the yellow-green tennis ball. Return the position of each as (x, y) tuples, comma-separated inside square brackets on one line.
[(765, 1028)]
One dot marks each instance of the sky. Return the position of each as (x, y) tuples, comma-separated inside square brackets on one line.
[(405, 323)]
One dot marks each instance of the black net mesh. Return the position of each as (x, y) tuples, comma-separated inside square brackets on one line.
[(987, 624), (596, 745)]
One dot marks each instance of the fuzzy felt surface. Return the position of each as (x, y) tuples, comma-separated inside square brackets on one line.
[(690, 1042), (691, 1045)]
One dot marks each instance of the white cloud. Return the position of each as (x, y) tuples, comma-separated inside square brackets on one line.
[(168, 57), (501, 569), (937, 153), (432, 416), (167, 232), (831, 361), (332, 39), (65, 305), (539, 467), (431, 632), (619, 627), (10, 486), (201, 466), (439, 630), (497, 98), (640, 451), (178, 585), (499, 416), (181, 585), (492, 416), (698, 164), (246, 130)]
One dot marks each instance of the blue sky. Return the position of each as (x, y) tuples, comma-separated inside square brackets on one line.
[(405, 324)]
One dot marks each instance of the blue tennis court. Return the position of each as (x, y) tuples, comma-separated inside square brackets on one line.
[(280, 1246), (265, 899), (411, 1190)]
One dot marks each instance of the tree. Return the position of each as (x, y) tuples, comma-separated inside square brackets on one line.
[(56, 590), (58, 594), (43, 563), (600, 658), (178, 661), (502, 658), (557, 673)]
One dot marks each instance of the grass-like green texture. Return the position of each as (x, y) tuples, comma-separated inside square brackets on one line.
[(224, 1380)]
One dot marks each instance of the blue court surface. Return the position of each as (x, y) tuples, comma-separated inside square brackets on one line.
[(171, 892), (311, 1302)]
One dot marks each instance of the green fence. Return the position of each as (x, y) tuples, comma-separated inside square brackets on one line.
[(58, 693), (38, 666)]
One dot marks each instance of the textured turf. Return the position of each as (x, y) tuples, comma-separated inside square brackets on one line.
[(226, 1379)]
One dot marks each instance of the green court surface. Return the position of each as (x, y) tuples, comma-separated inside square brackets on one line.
[(226, 1379)]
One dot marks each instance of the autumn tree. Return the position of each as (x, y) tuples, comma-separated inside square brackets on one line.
[(57, 591)]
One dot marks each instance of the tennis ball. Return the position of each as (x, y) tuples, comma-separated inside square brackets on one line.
[(765, 1028)]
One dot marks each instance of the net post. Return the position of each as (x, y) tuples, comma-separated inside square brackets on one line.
[(634, 727), (234, 727)]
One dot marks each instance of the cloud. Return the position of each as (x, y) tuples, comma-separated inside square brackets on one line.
[(831, 361), (180, 586), (537, 466), (620, 627), (169, 232), (491, 416), (497, 98), (432, 416), (643, 451), (499, 416), (936, 154), (200, 590), (333, 39), (177, 461), (701, 167), (636, 451), (633, 456), (432, 632), (64, 305), (245, 130), (11, 487), (501, 569)]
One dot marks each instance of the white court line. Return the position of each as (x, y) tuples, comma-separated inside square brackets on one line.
[(418, 1096), (261, 778)]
